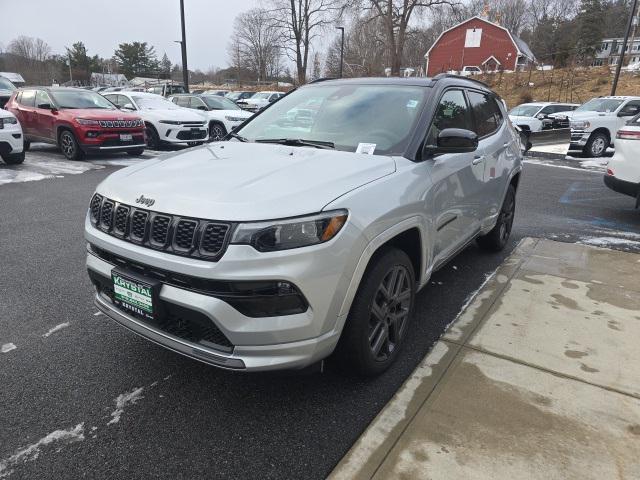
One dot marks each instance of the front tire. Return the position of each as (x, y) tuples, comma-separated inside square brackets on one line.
[(69, 146), (217, 132), (14, 158), (497, 238), (597, 145), (379, 317)]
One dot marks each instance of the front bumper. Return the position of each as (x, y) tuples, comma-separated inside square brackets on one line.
[(267, 343), (182, 134), (579, 139), (622, 186), (11, 140)]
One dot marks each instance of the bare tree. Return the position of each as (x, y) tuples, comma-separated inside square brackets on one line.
[(299, 23), (396, 16), (256, 41)]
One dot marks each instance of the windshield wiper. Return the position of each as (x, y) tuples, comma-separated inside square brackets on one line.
[(237, 137), (298, 142)]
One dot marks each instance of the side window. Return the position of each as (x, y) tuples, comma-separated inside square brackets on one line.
[(452, 112), (631, 109), (184, 102), (42, 98), (549, 109), (197, 103), (28, 98), (486, 112), (113, 99)]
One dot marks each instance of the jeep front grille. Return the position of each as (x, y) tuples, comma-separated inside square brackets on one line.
[(192, 237)]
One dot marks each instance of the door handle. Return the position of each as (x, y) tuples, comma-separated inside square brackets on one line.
[(477, 160)]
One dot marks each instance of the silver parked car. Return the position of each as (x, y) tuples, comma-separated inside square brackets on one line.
[(291, 242)]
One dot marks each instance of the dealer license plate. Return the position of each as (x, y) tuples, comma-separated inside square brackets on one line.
[(133, 296), (126, 137)]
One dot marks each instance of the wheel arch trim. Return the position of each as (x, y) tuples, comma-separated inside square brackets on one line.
[(374, 245)]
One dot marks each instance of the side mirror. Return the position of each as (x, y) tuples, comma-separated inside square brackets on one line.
[(541, 116), (46, 106), (128, 106), (453, 140), (202, 107), (629, 112)]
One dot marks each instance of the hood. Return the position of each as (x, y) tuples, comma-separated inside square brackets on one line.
[(583, 115), (177, 114), (218, 114), (100, 114), (238, 181), (6, 114), (5, 92), (521, 118)]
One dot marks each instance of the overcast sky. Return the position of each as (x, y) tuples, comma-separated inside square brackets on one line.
[(103, 25)]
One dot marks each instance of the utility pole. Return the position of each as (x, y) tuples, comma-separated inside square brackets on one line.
[(624, 47), (183, 44), (341, 50)]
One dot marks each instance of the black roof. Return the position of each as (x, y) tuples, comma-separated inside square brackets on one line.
[(407, 81)]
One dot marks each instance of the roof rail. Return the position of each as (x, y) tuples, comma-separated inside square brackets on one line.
[(442, 76), (324, 79)]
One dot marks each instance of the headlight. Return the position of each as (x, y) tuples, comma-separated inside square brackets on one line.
[(291, 233), (235, 119), (9, 121), (88, 122), (170, 122), (580, 125)]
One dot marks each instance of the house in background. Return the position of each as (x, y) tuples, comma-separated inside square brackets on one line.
[(477, 42), (611, 48), (108, 80)]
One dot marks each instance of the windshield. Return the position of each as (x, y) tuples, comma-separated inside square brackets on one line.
[(153, 103), (81, 99), (345, 115), (6, 84), (600, 105), (219, 103), (525, 110)]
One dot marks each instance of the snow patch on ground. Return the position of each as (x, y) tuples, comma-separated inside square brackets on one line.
[(555, 164), (7, 347), (56, 328), (124, 400), (32, 451), (609, 242)]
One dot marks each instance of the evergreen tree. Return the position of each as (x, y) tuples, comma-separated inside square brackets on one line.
[(590, 29), (136, 59)]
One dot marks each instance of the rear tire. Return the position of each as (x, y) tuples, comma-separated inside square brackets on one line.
[(497, 238), (153, 139), (26, 146), (69, 146), (597, 145), (136, 153), (378, 321), (14, 158)]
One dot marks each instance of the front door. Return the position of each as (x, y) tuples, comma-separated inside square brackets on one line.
[(45, 118), (456, 178)]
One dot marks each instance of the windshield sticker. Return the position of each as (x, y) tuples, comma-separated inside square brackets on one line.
[(412, 103), (366, 148)]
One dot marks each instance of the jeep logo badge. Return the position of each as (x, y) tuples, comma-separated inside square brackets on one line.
[(145, 201)]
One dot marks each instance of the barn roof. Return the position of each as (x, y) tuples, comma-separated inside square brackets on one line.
[(521, 46)]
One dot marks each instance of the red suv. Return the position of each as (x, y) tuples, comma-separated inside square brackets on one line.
[(78, 121)]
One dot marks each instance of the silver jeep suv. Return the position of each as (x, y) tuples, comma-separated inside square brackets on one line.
[(311, 229)]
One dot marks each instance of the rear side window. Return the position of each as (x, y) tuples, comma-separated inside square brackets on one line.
[(28, 98), (487, 114), (184, 102), (452, 112)]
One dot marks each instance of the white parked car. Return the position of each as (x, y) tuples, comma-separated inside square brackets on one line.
[(223, 115), (536, 117), (594, 124), (11, 139), (260, 100), (165, 122), (623, 170)]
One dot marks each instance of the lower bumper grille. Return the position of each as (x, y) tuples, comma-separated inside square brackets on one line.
[(177, 321)]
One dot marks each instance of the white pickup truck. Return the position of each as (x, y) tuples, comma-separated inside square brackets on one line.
[(595, 123)]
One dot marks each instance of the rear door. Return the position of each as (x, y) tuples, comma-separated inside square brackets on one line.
[(26, 109), (45, 119), (457, 180), (500, 149)]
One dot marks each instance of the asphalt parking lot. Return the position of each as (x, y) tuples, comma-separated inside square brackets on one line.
[(82, 397)]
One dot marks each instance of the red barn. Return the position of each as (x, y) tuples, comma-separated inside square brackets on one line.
[(477, 43)]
